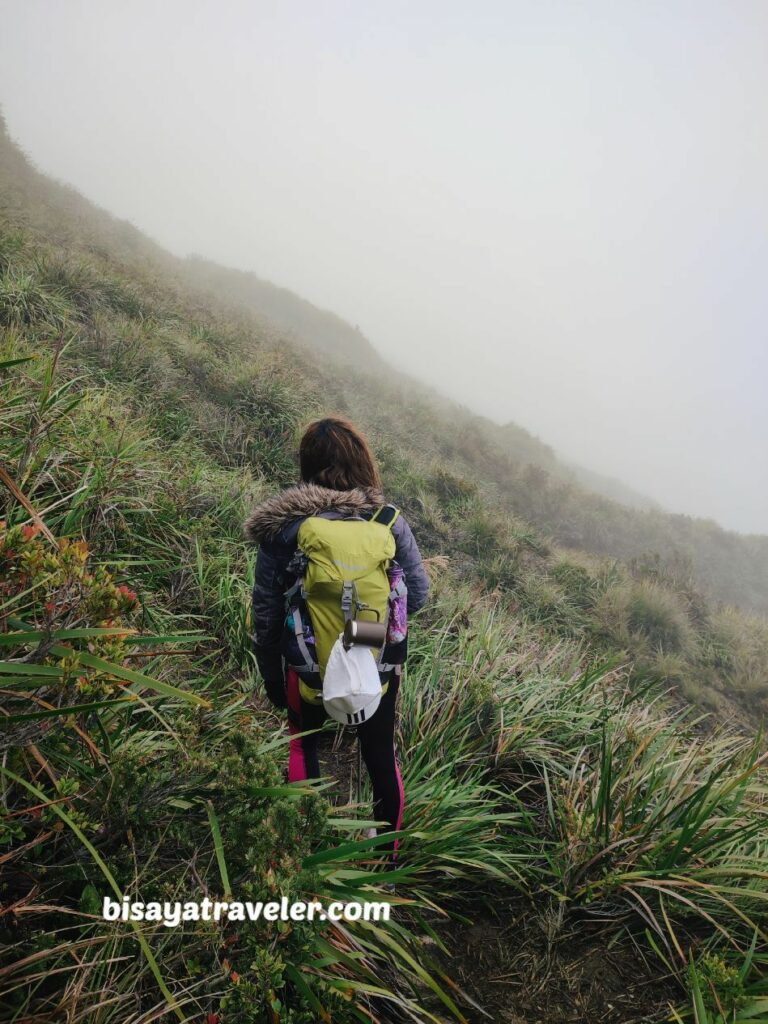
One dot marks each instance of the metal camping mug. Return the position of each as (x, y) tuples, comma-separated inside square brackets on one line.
[(361, 631)]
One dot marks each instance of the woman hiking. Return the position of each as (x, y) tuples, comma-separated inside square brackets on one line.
[(339, 481)]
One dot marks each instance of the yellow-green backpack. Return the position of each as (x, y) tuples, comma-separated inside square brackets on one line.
[(344, 563)]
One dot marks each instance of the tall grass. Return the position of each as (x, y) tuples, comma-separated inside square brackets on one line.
[(124, 744)]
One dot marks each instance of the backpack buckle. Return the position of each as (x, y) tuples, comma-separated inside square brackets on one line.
[(347, 599)]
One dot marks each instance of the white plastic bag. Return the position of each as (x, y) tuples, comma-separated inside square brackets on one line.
[(351, 684)]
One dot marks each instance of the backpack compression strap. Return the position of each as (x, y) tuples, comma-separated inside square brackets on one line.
[(386, 515)]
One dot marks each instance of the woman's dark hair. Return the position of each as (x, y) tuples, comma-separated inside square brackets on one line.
[(333, 453)]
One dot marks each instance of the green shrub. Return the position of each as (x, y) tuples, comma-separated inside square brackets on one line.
[(453, 491), (737, 646), (645, 617), (671, 669), (577, 582), (26, 302), (545, 602), (720, 983), (502, 570), (274, 408), (657, 614), (480, 535)]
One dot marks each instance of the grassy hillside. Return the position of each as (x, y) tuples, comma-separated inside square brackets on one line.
[(570, 505), (322, 330), (577, 844)]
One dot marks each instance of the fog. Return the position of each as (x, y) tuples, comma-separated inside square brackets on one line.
[(556, 213)]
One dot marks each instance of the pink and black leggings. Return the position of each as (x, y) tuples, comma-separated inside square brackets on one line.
[(377, 746)]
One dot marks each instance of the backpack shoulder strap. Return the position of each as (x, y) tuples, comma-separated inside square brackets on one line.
[(386, 515)]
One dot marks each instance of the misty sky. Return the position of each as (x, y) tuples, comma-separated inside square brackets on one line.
[(555, 212)]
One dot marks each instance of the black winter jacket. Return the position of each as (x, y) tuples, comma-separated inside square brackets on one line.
[(274, 525)]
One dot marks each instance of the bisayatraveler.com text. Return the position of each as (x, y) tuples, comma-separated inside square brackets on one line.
[(172, 913)]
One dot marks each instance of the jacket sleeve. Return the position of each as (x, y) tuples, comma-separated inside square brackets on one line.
[(409, 557), (267, 613)]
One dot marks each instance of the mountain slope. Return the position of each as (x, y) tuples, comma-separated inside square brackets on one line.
[(728, 566), (566, 808), (315, 327), (202, 366)]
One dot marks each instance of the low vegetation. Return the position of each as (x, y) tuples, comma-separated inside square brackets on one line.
[(557, 749)]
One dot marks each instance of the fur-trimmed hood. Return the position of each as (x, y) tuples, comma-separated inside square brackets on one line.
[(268, 518)]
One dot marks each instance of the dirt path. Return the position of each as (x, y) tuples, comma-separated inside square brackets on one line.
[(524, 968), (522, 965)]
